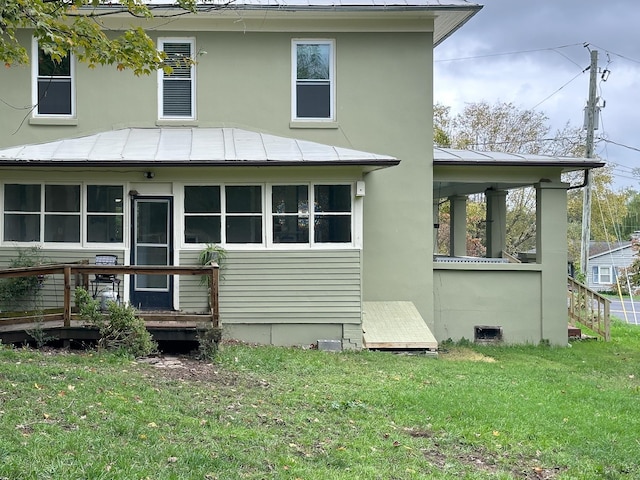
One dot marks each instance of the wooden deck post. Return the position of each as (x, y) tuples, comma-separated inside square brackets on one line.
[(67, 296), (215, 309)]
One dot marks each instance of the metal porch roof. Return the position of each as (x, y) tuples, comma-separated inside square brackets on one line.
[(455, 157), (173, 146)]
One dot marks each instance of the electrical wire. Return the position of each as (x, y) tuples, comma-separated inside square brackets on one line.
[(510, 53)]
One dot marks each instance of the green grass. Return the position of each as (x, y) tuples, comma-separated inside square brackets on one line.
[(266, 412)]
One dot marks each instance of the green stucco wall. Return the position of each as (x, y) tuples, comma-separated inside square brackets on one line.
[(384, 105)]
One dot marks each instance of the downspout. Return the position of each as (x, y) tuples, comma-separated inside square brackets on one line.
[(584, 183)]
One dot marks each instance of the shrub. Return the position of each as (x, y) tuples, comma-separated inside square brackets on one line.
[(120, 330), (22, 291), (208, 341)]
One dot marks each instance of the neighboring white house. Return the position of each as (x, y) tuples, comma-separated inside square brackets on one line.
[(606, 266)]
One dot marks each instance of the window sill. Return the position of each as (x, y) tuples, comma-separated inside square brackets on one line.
[(177, 122), (303, 124), (53, 121)]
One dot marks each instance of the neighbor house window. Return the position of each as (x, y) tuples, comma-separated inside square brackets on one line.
[(202, 214), (313, 78), (176, 88), (53, 89), (104, 213), (243, 220), (602, 274)]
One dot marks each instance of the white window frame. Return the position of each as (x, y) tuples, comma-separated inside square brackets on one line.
[(84, 209), (267, 217), (181, 209), (161, 78), (294, 79), (604, 275), (223, 208), (355, 214), (34, 84), (83, 213)]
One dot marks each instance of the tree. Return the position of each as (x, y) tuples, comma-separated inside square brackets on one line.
[(502, 127), (608, 212), (64, 26)]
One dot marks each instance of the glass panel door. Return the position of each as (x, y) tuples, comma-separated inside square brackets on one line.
[(152, 245)]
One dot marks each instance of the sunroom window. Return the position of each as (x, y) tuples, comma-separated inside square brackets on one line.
[(22, 208), (202, 214), (290, 209), (62, 213), (59, 213), (243, 221), (332, 214), (105, 213)]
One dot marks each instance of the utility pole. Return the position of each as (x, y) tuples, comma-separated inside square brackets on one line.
[(590, 125)]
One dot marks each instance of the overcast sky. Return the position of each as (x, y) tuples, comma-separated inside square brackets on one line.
[(531, 53)]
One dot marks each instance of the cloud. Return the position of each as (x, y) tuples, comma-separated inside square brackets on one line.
[(545, 63)]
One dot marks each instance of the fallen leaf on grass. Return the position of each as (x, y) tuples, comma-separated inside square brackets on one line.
[(172, 459)]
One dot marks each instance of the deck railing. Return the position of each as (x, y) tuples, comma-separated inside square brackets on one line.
[(589, 308), (83, 270)]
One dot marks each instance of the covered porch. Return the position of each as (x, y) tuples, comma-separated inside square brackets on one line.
[(515, 297)]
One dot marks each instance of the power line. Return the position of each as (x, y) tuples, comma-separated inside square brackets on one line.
[(510, 53), (554, 93), (606, 140), (618, 54)]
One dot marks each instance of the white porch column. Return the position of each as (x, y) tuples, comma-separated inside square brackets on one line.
[(551, 253), (458, 225), (496, 222)]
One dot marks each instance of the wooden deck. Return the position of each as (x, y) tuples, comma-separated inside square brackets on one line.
[(163, 326), (396, 326)]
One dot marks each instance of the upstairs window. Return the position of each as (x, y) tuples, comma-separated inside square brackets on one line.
[(176, 89), (313, 78), (53, 89)]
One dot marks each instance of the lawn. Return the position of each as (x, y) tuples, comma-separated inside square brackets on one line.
[(266, 412)]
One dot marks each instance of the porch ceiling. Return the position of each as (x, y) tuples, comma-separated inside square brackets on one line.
[(466, 172), (173, 146)]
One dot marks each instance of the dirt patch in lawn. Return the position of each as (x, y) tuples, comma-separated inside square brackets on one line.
[(464, 354), (445, 452), (189, 369)]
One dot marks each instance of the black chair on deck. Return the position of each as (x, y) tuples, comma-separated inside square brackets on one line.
[(106, 278)]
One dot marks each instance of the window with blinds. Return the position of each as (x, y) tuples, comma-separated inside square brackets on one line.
[(176, 85)]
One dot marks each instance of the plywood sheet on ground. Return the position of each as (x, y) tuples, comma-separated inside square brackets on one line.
[(395, 325)]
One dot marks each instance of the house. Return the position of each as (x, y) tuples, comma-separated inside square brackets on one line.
[(300, 141), (607, 264)]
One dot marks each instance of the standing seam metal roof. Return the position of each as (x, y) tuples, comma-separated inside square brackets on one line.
[(179, 146)]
